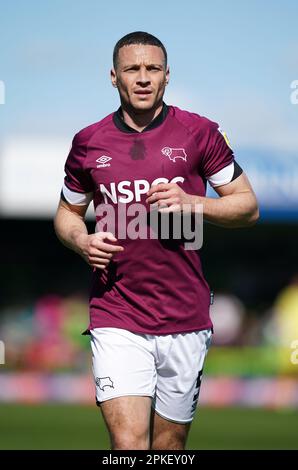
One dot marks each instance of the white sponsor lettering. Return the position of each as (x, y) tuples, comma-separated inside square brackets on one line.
[(129, 191)]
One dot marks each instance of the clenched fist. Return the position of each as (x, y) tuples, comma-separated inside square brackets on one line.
[(95, 250)]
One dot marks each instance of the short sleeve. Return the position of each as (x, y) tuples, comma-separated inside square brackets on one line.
[(218, 153), (78, 184)]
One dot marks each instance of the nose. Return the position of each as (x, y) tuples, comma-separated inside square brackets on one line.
[(143, 77)]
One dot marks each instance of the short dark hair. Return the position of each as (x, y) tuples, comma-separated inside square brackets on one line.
[(138, 37)]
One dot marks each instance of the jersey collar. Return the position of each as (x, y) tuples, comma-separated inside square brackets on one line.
[(157, 121)]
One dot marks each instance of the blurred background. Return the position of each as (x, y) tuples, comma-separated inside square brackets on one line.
[(234, 62)]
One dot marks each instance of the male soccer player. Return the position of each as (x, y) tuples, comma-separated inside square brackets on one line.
[(149, 302)]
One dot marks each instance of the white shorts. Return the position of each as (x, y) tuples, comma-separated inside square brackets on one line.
[(167, 368)]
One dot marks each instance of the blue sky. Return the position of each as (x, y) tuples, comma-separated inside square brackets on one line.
[(231, 61)]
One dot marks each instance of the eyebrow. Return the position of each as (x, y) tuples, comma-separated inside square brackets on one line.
[(137, 65)]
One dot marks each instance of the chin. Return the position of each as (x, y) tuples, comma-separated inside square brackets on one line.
[(143, 105)]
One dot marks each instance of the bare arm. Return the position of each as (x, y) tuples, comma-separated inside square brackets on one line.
[(236, 207), (71, 230), (69, 224)]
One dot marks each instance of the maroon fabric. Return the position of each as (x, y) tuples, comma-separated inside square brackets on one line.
[(154, 286)]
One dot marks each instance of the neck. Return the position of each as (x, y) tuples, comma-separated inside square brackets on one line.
[(139, 121)]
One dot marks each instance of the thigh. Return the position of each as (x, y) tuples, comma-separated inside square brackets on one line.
[(122, 363), (179, 374), (167, 435), (128, 421)]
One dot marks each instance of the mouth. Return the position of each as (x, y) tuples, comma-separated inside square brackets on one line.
[(143, 93)]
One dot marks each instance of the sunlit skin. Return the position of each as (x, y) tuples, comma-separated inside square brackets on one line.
[(141, 78)]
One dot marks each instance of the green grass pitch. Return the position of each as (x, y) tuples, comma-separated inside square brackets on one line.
[(56, 426)]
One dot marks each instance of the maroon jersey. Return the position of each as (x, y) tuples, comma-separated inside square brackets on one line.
[(154, 286)]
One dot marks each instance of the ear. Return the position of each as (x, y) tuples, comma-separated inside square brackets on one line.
[(113, 78), (167, 75)]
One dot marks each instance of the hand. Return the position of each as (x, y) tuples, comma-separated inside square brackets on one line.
[(169, 197), (95, 251)]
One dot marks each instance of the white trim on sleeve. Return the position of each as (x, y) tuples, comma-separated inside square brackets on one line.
[(224, 176), (77, 199)]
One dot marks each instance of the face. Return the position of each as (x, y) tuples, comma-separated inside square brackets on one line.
[(140, 76)]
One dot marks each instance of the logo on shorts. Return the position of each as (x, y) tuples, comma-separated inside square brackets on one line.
[(173, 154), (103, 382)]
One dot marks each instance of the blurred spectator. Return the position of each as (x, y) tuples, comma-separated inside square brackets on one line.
[(227, 314), (46, 336), (282, 329)]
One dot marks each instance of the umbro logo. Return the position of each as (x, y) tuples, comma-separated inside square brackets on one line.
[(103, 161), (174, 153)]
